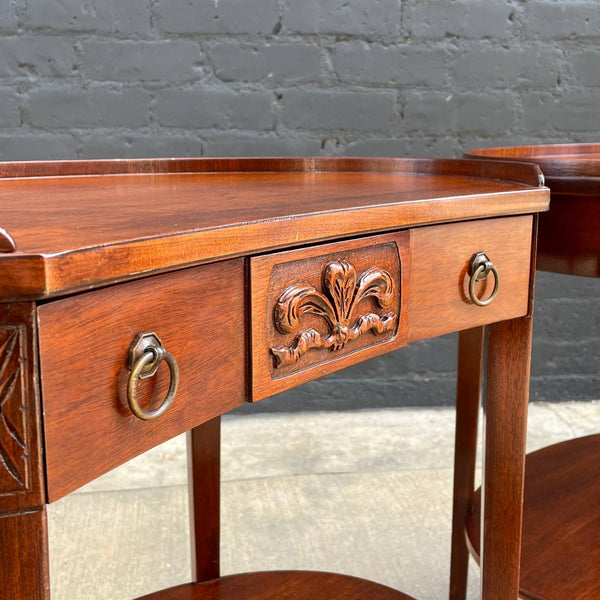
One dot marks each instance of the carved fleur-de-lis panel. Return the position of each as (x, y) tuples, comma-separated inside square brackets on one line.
[(13, 446), (338, 305)]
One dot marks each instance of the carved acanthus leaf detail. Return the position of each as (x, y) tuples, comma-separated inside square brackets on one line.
[(337, 306), (13, 452)]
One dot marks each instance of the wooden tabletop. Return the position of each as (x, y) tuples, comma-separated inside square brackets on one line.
[(69, 226)]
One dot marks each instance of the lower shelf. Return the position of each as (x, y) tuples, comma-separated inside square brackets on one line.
[(560, 555), (281, 585)]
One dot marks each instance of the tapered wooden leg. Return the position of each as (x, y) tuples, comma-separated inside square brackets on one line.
[(24, 556), (505, 411), (468, 399), (204, 465)]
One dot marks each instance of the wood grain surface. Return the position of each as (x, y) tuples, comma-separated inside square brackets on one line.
[(74, 232), (22, 484), (562, 501), (505, 413), (568, 239), (561, 522), (555, 160), (438, 290), (75, 226), (199, 316), (301, 277), (7, 244), (204, 485), (70, 168), (282, 585), (15, 460), (24, 556), (23, 525)]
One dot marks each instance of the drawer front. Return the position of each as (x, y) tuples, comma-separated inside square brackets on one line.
[(198, 316), (439, 300), (317, 310)]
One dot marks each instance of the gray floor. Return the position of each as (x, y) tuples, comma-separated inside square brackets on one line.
[(366, 493)]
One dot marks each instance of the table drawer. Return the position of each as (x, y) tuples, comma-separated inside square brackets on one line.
[(317, 310), (439, 300), (197, 314)]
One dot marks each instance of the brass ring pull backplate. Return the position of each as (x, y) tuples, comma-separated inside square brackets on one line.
[(479, 268), (145, 355)]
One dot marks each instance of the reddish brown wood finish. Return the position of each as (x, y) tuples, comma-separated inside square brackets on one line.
[(78, 232), (568, 242), (561, 522), (559, 160), (21, 467), (199, 316), (282, 585), (7, 244), (275, 274), (81, 225), (23, 528), (468, 395), (69, 168), (468, 389), (204, 482), (24, 556), (505, 414), (438, 292)]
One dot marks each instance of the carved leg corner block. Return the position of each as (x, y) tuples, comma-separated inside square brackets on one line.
[(23, 526)]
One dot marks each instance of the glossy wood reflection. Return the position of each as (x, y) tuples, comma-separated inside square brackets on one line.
[(562, 488), (368, 280), (561, 523), (568, 240), (93, 253), (159, 215), (204, 484), (282, 585), (84, 342)]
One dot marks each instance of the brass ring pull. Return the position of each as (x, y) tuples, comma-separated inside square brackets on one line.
[(145, 355), (479, 268)]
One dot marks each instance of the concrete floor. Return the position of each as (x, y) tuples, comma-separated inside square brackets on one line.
[(366, 493)]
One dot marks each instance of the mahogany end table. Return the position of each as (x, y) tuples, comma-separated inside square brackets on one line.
[(561, 524), (141, 299)]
